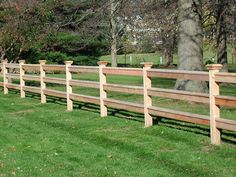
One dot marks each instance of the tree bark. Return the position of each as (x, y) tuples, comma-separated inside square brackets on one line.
[(113, 35), (168, 56), (221, 34), (169, 50), (190, 44)]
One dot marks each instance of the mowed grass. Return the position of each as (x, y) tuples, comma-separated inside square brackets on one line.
[(185, 106), (226, 112), (45, 140), (137, 58)]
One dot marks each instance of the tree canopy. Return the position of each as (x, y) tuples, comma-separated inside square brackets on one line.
[(83, 30)]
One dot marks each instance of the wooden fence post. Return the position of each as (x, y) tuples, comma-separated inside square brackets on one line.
[(103, 93), (5, 79), (42, 83), (22, 82), (147, 84), (68, 87), (214, 109)]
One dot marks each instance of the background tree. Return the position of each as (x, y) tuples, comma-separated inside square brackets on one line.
[(221, 32), (190, 44), (22, 25)]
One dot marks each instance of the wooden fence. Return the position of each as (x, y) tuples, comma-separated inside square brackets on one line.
[(214, 99)]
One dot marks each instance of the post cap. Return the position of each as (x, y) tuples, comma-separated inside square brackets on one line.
[(102, 63), (68, 62), (21, 61), (214, 67), (147, 64), (42, 61), (4, 61)]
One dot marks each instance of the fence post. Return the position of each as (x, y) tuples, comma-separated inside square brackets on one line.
[(214, 109), (68, 87), (5, 79), (103, 93), (22, 82), (42, 83), (147, 84)]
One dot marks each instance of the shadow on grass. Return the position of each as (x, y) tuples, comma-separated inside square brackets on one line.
[(227, 136)]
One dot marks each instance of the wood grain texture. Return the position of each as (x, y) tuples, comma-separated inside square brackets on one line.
[(123, 71), (32, 89), (179, 74), (81, 83), (85, 98), (54, 80), (226, 77), (31, 78), (178, 115), (84, 69), (226, 101), (124, 105), (226, 124), (124, 88), (180, 95), (54, 93)]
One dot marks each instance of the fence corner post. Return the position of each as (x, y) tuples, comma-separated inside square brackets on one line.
[(147, 84), (5, 79), (103, 93), (42, 83), (214, 109), (22, 82), (68, 86)]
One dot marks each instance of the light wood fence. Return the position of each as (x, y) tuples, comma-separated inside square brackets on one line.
[(214, 99)]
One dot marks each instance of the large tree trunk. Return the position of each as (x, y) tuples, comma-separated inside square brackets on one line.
[(221, 34), (113, 34), (190, 44)]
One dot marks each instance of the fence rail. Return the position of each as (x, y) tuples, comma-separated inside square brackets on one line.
[(214, 99)]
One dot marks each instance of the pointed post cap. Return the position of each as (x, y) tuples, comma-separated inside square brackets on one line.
[(147, 64), (214, 67), (104, 63), (22, 61), (68, 62), (42, 61)]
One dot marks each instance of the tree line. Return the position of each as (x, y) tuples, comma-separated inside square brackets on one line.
[(83, 30)]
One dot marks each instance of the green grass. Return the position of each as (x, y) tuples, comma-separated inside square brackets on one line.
[(226, 112), (45, 140), (137, 58)]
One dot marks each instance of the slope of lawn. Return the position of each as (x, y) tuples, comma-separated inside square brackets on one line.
[(45, 140)]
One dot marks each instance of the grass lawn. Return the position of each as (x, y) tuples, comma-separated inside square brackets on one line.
[(137, 58), (45, 140)]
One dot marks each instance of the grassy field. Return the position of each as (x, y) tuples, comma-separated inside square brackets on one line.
[(45, 140), (136, 58)]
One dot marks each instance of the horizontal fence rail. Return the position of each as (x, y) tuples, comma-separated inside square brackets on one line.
[(176, 74), (213, 99), (83, 69)]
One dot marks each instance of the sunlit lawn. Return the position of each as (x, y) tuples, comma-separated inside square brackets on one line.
[(45, 140)]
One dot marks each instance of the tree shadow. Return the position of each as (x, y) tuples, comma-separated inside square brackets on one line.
[(226, 136)]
